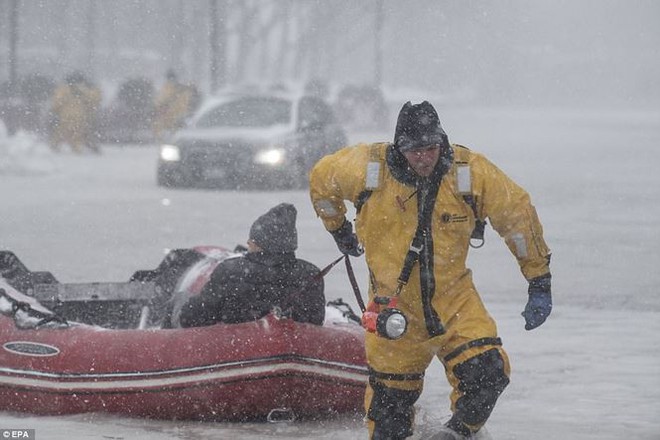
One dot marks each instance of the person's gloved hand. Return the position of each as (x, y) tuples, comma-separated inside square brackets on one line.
[(539, 304), (346, 240)]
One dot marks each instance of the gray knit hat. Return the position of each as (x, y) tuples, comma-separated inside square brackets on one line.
[(275, 231)]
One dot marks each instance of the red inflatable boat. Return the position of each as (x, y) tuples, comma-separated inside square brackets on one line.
[(71, 348)]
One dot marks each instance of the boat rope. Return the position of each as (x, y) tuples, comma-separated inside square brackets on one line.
[(354, 283), (280, 415), (44, 318), (286, 304)]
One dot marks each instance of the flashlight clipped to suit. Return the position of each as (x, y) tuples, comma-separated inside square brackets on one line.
[(384, 318), (381, 316)]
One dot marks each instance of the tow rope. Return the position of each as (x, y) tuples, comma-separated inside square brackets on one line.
[(286, 303), (21, 306), (322, 273), (354, 283)]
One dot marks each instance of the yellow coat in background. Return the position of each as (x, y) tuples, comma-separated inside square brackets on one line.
[(75, 107), (171, 107)]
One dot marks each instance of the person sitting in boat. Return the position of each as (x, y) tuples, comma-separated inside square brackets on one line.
[(269, 275)]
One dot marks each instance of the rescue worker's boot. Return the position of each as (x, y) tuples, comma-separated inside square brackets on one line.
[(454, 429), (391, 411), (458, 427), (445, 433)]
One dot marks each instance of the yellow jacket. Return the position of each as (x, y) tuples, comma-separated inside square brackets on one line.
[(172, 105), (76, 104), (386, 222)]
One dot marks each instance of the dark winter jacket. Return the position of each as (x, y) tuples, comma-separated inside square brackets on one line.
[(247, 288)]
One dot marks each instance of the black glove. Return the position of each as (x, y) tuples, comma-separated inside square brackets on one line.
[(539, 304), (346, 240)]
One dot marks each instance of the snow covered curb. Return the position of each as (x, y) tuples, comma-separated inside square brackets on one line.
[(24, 154)]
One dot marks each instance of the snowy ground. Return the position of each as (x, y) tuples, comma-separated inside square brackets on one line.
[(591, 372)]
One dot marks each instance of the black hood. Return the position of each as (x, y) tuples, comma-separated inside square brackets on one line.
[(418, 126)]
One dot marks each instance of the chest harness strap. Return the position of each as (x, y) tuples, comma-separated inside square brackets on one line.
[(464, 184)]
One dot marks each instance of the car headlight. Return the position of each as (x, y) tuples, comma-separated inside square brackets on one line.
[(272, 156), (170, 153)]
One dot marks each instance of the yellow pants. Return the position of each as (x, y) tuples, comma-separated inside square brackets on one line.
[(476, 366)]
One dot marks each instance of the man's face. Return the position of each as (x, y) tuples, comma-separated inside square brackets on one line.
[(423, 160), (253, 246)]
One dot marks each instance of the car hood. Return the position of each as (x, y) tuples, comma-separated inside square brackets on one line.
[(257, 137)]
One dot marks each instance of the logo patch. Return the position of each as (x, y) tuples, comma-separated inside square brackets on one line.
[(453, 218), (26, 348)]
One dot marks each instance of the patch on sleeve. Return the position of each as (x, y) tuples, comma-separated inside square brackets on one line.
[(521, 245), (325, 208)]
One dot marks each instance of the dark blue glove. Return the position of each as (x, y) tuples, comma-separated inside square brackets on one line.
[(539, 304), (346, 240)]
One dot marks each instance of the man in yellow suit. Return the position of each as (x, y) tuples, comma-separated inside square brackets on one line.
[(75, 106), (171, 107), (419, 201)]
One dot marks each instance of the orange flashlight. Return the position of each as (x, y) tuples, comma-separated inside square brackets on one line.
[(384, 318)]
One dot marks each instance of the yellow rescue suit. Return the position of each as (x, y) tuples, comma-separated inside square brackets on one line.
[(75, 107), (171, 107), (446, 317)]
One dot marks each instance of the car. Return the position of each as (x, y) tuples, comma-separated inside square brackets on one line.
[(251, 141)]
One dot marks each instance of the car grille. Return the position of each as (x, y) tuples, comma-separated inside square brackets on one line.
[(227, 164), (209, 155)]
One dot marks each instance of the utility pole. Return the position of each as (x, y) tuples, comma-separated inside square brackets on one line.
[(177, 24), (90, 43), (217, 44), (213, 45), (13, 41), (379, 16)]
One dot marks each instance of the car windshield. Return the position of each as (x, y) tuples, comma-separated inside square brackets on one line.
[(248, 112)]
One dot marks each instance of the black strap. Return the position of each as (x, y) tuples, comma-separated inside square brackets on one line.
[(354, 283), (423, 224), (412, 256), (474, 343), (479, 224), (394, 376), (362, 199)]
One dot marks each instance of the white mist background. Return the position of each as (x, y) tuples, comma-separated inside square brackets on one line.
[(592, 371), (562, 95)]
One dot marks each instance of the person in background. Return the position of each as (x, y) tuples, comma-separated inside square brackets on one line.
[(418, 201), (269, 275), (173, 104), (75, 107)]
